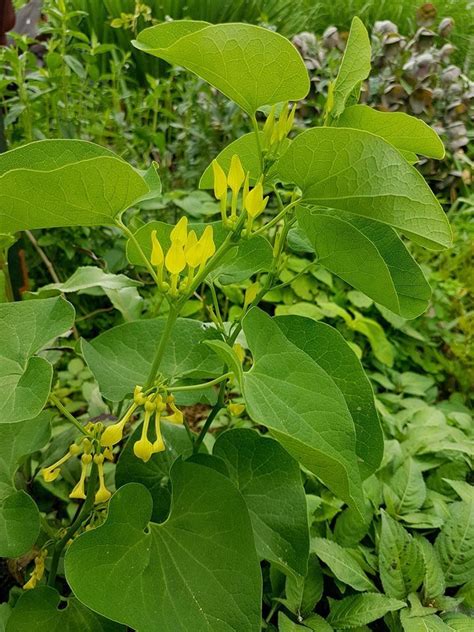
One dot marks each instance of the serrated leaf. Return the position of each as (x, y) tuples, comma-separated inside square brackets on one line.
[(342, 564), (400, 561), (19, 515), (406, 133), (356, 610), (317, 623), (326, 346), (350, 246), (458, 622), (428, 623), (303, 593), (37, 610), (279, 392), (455, 543), (433, 582), (196, 571), (270, 481), (25, 379), (243, 61), (43, 185), (408, 486), (355, 171), (121, 357), (354, 68)]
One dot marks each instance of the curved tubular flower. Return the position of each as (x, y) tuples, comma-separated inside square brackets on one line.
[(52, 472), (79, 491), (102, 494)]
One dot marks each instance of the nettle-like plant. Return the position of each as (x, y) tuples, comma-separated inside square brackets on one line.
[(182, 542)]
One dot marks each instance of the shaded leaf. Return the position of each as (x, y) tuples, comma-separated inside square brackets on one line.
[(455, 544), (356, 610), (342, 564)]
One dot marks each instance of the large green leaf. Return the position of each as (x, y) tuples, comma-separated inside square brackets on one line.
[(66, 183), (155, 473), (270, 481), (37, 611), (19, 515), (370, 256), (342, 564), (287, 391), (251, 65), (400, 561), (121, 357), (358, 610), (327, 347), (25, 379), (455, 543), (196, 571), (355, 171), (405, 132), (406, 491), (427, 623), (434, 583), (354, 68), (87, 277)]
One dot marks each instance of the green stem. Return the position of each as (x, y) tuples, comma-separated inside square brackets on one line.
[(212, 415), (197, 387), (67, 414), (126, 230), (85, 511), (277, 218), (160, 350), (257, 139)]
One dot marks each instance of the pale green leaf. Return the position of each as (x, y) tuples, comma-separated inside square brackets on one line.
[(270, 481), (196, 571), (87, 277), (357, 610), (37, 611), (406, 133), (381, 347), (326, 346), (121, 357), (400, 561), (43, 185), (455, 544), (433, 582), (318, 624), (408, 486), (251, 65), (25, 379), (354, 68), (342, 564), (428, 623), (355, 171), (369, 256), (303, 407), (458, 622), (228, 356)]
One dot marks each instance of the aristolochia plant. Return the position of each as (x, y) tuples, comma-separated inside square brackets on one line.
[(182, 539)]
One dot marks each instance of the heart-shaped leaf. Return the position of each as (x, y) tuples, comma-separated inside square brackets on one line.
[(243, 61), (196, 571), (37, 610), (19, 515), (270, 481), (327, 347), (405, 132), (287, 391), (355, 171), (25, 379), (368, 255), (66, 183)]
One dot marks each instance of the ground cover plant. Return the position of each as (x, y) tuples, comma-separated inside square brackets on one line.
[(139, 518)]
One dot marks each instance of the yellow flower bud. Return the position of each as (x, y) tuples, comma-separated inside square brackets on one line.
[(138, 397), (255, 203), (236, 175), (220, 181), (143, 449), (269, 127), (251, 294), (79, 491), (175, 260), (157, 255), (207, 241), (239, 350), (235, 409), (291, 119), (180, 231), (177, 417), (102, 494)]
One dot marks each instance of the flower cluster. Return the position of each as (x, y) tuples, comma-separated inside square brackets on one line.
[(90, 453), (154, 404), (276, 129), (185, 251), (251, 200)]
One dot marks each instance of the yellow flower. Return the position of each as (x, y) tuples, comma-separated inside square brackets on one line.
[(236, 174), (38, 571), (175, 260), (239, 350), (79, 491), (208, 245), (180, 231), (113, 434), (51, 472), (177, 417), (143, 448), (255, 203), (251, 294), (102, 494), (157, 255), (220, 181), (158, 444), (235, 409)]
